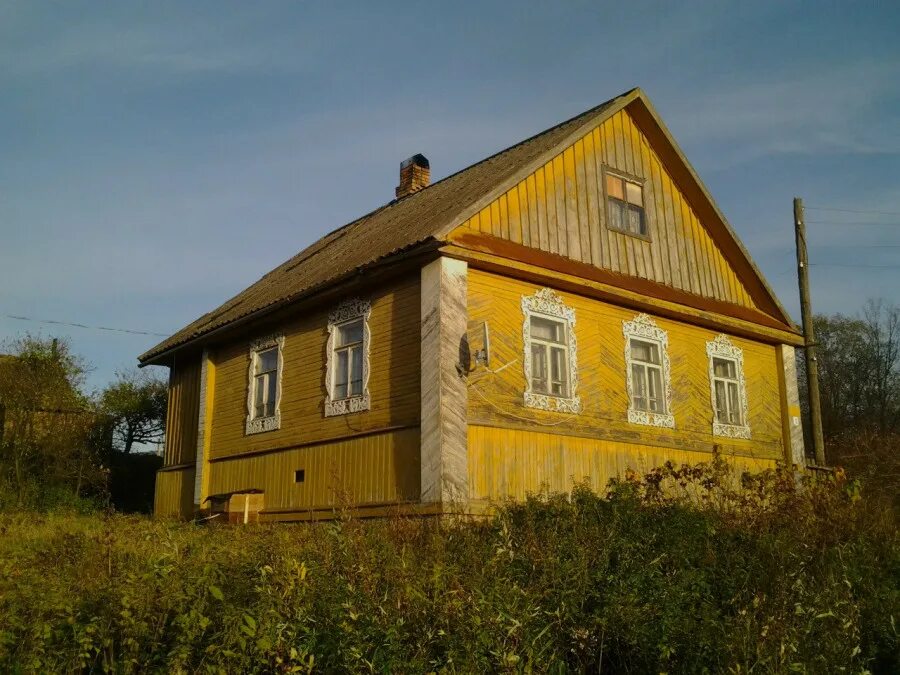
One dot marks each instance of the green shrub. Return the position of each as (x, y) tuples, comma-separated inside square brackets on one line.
[(687, 569)]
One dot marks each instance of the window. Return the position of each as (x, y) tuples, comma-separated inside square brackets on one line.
[(348, 360), (266, 379), (646, 377), (550, 358), (264, 386), (625, 205), (347, 372), (549, 368), (647, 373), (728, 392)]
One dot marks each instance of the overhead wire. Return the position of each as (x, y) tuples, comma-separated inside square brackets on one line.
[(861, 211), (54, 322)]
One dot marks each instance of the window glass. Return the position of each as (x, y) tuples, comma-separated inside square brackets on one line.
[(350, 333), (340, 374), (267, 361), (614, 187), (625, 205), (645, 351), (547, 329), (356, 368)]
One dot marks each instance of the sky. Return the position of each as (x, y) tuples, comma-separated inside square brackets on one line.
[(157, 158)]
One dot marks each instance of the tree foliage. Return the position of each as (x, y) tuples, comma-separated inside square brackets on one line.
[(136, 407), (859, 371), (48, 427)]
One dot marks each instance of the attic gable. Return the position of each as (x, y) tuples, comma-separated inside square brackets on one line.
[(559, 207)]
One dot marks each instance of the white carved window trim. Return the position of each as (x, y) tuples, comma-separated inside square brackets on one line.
[(258, 425), (721, 347), (546, 303), (348, 310), (642, 327)]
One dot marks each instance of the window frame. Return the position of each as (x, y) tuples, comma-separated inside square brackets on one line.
[(644, 329), (255, 424), (347, 312), (721, 347), (628, 178), (546, 304)]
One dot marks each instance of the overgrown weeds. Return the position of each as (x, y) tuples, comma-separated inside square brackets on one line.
[(686, 569)]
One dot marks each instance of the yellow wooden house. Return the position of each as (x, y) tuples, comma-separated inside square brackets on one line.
[(566, 309)]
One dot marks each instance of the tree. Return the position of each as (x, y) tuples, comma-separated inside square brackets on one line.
[(859, 371), (135, 405), (46, 423)]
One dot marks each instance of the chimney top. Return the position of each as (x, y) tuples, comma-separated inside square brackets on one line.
[(415, 174)]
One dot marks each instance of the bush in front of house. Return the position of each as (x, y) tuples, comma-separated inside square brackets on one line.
[(686, 569)]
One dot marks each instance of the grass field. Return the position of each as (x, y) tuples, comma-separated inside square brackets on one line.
[(678, 571)]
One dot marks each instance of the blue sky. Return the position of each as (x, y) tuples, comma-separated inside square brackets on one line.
[(156, 158)]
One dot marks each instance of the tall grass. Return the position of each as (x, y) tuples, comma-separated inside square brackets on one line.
[(683, 570)]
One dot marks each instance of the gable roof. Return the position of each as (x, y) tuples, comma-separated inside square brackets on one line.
[(427, 215)]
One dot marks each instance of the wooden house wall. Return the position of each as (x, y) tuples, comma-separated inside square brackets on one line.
[(371, 454), (183, 410), (561, 209), (174, 493), (382, 468), (505, 437)]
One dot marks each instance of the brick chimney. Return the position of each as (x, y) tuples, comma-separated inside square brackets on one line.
[(415, 174)]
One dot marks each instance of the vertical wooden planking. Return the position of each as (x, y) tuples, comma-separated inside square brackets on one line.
[(497, 227), (616, 262), (550, 208), (694, 247), (534, 226), (650, 249), (593, 199), (581, 189), (540, 184), (513, 215), (559, 191), (660, 249), (523, 213), (570, 204), (603, 236)]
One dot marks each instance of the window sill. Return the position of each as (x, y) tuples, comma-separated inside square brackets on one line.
[(635, 235), (261, 425), (651, 419), (552, 403), (346, 406), (731, 430)]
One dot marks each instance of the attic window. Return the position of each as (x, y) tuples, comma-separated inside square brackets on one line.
[(625, 205)]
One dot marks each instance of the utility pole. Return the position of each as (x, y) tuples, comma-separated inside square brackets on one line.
[(809, 335)]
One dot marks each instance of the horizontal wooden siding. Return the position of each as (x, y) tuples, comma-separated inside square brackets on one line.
[(381, 468)]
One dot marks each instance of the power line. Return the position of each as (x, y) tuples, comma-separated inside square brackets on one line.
[(81, 325), (874, 213), (851, 224), (844, 247), (869, 267)]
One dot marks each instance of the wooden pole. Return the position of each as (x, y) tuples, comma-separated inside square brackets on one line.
[(812, 365)]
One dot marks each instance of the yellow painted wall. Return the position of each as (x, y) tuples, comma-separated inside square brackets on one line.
[(393, 376), (174, 493), (183, 410), (509, 463), (381, 468), (560, 208), (496, 400)]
